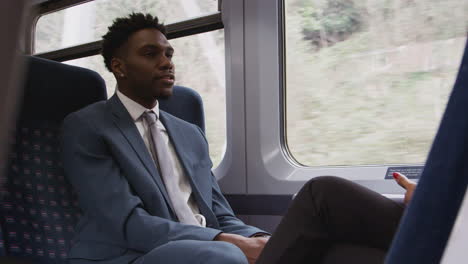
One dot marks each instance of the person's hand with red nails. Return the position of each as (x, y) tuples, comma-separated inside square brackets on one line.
[(407, 184)]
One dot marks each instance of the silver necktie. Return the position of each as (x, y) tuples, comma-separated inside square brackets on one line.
[(166, 168)]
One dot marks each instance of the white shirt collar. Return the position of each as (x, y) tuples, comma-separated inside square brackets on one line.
[(135, 109)]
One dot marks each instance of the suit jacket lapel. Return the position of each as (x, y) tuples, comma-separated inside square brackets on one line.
[(180, 141), (125, 123)]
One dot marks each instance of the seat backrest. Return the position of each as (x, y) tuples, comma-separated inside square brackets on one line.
[(39, 209), (428, 221), (185, 104)]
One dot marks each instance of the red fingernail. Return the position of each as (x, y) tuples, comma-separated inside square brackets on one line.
[(396, 175)]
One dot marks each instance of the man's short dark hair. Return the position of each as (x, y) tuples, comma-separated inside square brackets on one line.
[(122, 28)]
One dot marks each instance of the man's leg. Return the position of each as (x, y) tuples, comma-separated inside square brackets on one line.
[(330, 211), (194, 252)]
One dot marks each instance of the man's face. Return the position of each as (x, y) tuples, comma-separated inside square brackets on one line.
[(148, 64)]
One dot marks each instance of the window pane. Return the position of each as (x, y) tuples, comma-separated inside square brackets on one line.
[(89, 21), (206, 51), (368, 81)]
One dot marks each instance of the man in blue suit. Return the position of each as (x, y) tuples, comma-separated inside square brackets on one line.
[(143, 176)]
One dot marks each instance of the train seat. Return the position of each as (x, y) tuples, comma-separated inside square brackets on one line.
[(185, 104), (428, 221), (39, 209)]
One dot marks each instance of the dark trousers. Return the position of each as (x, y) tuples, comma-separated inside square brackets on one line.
[(332, 220)]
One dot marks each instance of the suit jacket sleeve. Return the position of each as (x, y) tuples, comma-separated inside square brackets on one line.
[(228, 222), (105, 195)]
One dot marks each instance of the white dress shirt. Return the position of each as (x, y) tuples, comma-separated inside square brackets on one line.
[(136, 111)]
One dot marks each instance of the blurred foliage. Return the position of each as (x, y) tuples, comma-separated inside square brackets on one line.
[(376, 95), (330, 21), (326, 22)]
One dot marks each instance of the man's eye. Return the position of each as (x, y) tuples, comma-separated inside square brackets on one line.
[(150, 54)]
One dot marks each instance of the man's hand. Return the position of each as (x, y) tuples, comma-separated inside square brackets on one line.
[(408, 185), (250, 246)]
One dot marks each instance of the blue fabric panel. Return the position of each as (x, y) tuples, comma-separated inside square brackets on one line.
[(39, 208), (426, 226), (185, 104), (53, 90)]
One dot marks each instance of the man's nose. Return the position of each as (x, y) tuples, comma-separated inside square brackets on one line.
[(166, 64)]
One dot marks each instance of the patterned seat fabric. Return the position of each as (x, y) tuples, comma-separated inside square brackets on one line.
[(38, 208), (2, 244)]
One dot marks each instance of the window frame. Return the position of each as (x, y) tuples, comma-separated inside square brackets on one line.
[(184, 28), (271, 167)]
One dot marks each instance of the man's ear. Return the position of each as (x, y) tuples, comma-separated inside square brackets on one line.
[(118, 67)]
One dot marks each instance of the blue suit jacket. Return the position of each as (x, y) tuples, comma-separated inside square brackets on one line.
[(124, 200)]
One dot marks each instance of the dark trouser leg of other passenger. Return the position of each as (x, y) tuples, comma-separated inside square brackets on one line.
[(194, 252), (354, 254), (330, 211)]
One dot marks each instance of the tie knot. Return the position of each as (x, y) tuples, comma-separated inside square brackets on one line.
[(150, 117)]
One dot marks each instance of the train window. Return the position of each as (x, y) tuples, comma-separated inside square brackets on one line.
[(199, 61), (89, 21), (368, 81)]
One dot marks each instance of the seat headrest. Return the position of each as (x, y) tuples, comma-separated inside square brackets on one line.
[(185, 104), (53, 90)]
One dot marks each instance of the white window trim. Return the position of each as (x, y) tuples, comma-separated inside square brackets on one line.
[(231, 172), (270, 170)]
